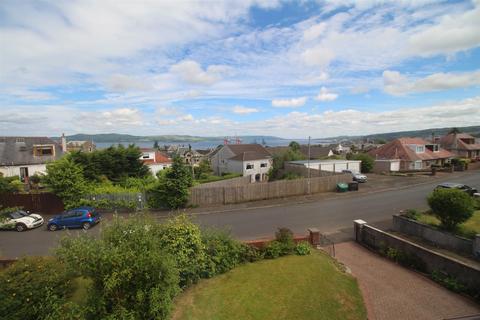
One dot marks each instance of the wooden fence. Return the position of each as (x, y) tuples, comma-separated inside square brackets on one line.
[(267, 190), (46, 203)]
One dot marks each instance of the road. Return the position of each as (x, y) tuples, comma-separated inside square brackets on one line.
[(328, 215)]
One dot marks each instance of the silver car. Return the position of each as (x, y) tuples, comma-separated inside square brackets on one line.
[(356, 176)]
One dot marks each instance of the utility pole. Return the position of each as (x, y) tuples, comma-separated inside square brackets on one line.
[(308, 161)]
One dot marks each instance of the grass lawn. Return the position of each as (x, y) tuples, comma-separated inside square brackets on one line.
[(467, 229), (293, 287)]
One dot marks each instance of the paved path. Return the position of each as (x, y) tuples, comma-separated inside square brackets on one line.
[(392, 292)]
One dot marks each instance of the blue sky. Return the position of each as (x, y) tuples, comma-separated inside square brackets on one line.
[(287, 68)]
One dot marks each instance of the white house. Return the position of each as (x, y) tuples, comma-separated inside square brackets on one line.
[(251, 160), (26, 156), (155, 160), (331, 165)]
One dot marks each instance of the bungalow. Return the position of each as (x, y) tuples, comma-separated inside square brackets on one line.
[(413, 153), (26, 156), (155, 160), (251, 160), (461, 144)]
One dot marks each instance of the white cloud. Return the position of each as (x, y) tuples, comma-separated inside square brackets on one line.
[(398, 84), (318, 56), (244, 110), (123, 83), (115, 118), (452, 33), (191, 72), (289, 103), (326, 95), (186, 118)]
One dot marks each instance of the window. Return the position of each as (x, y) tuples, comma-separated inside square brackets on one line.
[(263, 165), (145, 156), (249, 166), (420, 149), (418, 165)]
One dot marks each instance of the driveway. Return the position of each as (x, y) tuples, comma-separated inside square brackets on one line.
[(392, 292)]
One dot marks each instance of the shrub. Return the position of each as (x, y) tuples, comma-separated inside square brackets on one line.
[(32, 288), (451, 207), (412, 214), (303, 248), (223, 253), (447, 281), (273, 250), (285, 237), (367, 162), (251, 253), (406, 259), (132, 278), (182, 238)]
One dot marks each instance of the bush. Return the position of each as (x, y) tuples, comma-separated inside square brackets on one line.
[(303, 248), (451, 207), (273, 250), (223, 253), (405, 259), (251, 253), (132, 278), (412, 214), (33, 288), (367, 162), (447, 281), (285, 237), (183, 240)]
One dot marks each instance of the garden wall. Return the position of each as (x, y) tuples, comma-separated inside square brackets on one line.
[(436, 237), (467, 274), (262, 191)]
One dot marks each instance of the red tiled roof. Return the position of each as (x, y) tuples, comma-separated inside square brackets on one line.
[(398, 149), (453, 141)]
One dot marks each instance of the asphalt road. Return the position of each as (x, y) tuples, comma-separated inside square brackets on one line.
[(328, 215)]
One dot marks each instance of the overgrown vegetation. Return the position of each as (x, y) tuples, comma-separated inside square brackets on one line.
[(292, 154), (10, 184), (367, 161), (451, 207)]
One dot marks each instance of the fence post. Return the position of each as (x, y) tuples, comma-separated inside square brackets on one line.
[(357, 228), (314, 236)]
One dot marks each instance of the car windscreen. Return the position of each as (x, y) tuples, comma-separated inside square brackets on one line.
[(16, 215)]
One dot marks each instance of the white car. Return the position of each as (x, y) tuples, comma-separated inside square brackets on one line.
[(356, 176), (20, 220)]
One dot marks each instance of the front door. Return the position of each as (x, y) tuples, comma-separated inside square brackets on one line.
[(24, 174)]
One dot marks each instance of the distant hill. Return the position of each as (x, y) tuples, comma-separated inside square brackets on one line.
[(126, 138), (426, 133)]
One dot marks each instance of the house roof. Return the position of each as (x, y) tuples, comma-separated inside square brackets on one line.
[(19, 150), (454, 141), (316, 151), (398, 149), (248, 152)]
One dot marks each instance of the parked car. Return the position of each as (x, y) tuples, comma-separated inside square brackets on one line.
[(83, 217), (356, 176), (20, 220), (450, 185)]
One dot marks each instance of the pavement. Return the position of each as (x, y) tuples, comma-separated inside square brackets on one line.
[(330, 212), (392, 292)]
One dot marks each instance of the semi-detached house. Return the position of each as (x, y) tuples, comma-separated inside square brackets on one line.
[(250, 160)]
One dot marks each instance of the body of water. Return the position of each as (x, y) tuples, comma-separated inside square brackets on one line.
[(209, 144)]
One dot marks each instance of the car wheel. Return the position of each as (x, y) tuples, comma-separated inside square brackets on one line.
[(52, 227), (86, 226), (20, 227)]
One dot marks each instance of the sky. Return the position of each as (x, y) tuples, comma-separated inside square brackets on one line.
[(290, 69)]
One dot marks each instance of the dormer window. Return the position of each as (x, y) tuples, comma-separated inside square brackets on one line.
[(43, 150), (420, 149)]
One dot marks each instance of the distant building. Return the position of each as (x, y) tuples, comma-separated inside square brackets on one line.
[(251, 160), (316, 151), (461, 144), (26, 156), (155, 160), (413, 153)]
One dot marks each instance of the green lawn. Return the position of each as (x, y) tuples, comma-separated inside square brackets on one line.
[(293, 287), (467, 229)]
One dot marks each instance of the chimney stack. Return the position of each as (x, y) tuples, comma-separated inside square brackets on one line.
[(64, 143)]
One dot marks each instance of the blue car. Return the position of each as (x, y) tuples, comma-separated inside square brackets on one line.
[(83, 217)]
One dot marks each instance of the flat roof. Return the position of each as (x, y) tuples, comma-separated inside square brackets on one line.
[(323, 161)]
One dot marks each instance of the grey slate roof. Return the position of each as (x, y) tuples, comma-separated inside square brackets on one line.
[(248, 152), (16, 151)]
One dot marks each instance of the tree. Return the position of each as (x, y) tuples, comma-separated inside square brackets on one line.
[(155, 145), (294, 146), (66, 180), (451, 206), (173, 189), (367, 162), (454, 131), (203, 169)]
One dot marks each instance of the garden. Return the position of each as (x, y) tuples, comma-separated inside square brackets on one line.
[(138, 267)]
